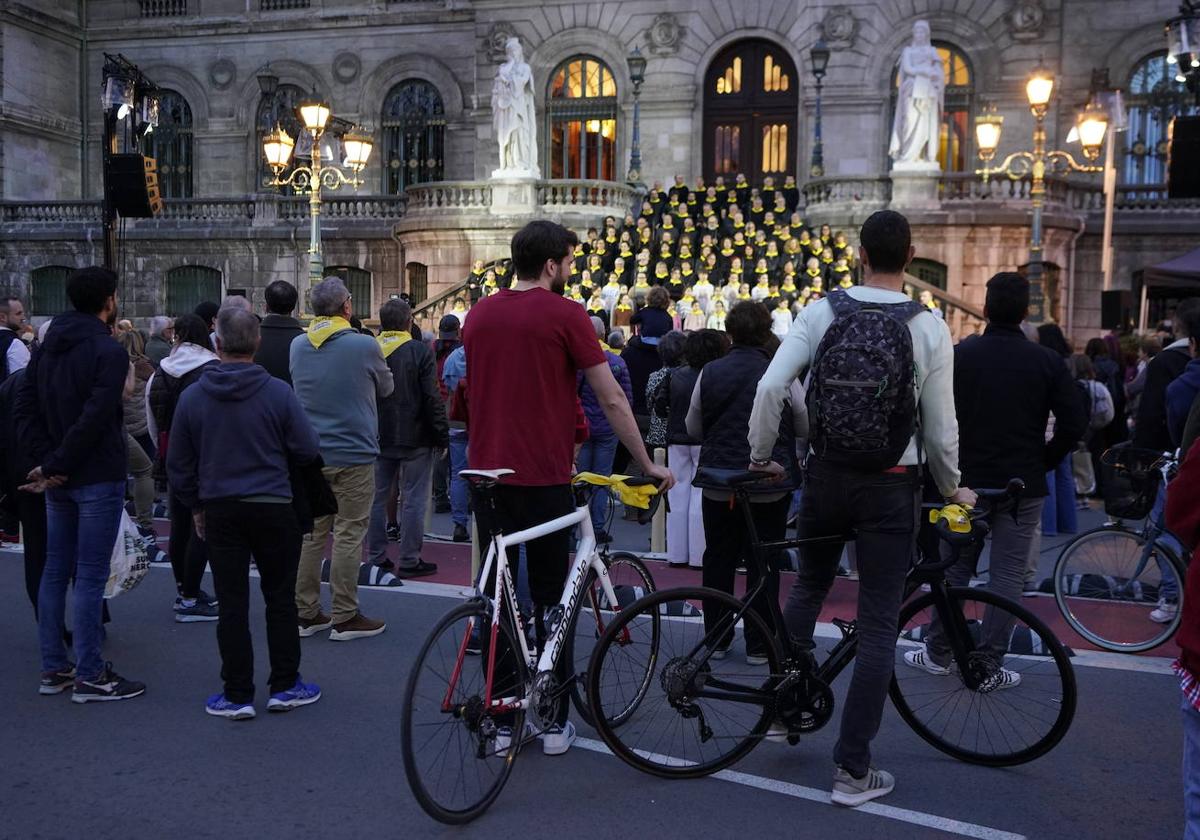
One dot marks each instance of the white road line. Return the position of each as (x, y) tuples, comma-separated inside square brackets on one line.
[(952, 826)]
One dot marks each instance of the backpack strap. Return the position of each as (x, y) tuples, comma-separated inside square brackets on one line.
[(842, 304)]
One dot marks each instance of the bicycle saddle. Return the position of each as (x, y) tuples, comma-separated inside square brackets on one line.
[(487, 475), (717, 479)]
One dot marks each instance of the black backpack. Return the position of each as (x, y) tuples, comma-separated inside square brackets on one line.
[(7, 337), (862, 398)]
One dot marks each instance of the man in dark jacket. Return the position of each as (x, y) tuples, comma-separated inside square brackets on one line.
[(1182, 393), (70, 415), (412, 427), (233, 436), (278, 330), (1150, 429)]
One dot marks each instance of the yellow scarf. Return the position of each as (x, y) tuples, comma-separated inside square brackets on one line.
[(605, 347), (320, 329), (391, 340)]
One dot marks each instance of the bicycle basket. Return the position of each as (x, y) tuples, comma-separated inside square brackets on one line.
[(1130, 481)]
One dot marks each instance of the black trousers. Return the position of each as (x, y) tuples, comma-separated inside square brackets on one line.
[(728, 545), (189, 553), (547, 557), (271, 533), (31, 511)]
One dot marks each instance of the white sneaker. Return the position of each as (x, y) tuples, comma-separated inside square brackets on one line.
[(1002, 679), (503, 738), (558, 739), (920, 659), (777, 733), (853, 792), (1165, 612)]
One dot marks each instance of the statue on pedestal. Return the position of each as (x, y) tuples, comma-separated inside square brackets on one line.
[(513, 116), (916, 133)]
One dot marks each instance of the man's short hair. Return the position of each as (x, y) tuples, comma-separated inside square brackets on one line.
[(328, 297), (237, 331), (536, 243), (395, 315), (237, 302), (748, 323), (159, 323), (1007, 300), (207, 310), (1187, 319), (89, 289), (281, 297), (887, 238)]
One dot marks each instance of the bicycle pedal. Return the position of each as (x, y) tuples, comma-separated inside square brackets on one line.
[(846, 627)]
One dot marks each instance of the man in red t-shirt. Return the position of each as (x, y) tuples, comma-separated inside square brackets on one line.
[(524, 346)]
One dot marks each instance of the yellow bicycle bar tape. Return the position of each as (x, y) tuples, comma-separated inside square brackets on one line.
[(638, 497), (957, 518)]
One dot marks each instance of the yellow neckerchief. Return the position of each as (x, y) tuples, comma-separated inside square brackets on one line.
[(846, 283), (391, 340), (841, 269), (686, 272), (825, 238), (479, 273), (491, 284), (696, 310), (661, 274), (321, 329), (626, 253), (638, 496), (611, 240), (816, 247), (727, 253), (579, 251), (641, 287), (623, 307), (687, 298), (501, 271), (675, 281), (644, 236), (685, 253), (595, 305), (737, 269), (789, 286), (813, 272), (739, 224), (761, 269), (655, 198), (605, 347), (742, 296), (828, 261)]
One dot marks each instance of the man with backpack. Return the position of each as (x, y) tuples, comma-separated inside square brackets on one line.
[(880, 406)]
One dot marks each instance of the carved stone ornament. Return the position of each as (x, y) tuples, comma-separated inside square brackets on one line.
[(1027, 19), (222, 73), (497, 37), (839, 27), (664, 35), (346, 67)]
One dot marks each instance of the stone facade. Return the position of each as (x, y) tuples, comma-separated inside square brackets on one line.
[(352, 52)]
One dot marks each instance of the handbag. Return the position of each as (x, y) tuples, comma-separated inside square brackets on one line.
[(1083, 471), (130, 559)]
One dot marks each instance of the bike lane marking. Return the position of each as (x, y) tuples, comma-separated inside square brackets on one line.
[(891, 812)]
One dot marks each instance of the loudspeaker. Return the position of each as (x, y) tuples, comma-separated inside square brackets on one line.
[(132, 184), (1116, 309), (1183, 160)]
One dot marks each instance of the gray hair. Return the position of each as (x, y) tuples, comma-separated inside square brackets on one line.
[(237, 302), (328, 297), (159, 323), (598, 326), (395, 315), (670, 347), (616, 339), (237, 332)]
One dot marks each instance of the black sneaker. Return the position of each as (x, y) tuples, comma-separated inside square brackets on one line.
[(461, 534), (108, 686), (421, 569), (393, 532), (189, 610), (56, 682)]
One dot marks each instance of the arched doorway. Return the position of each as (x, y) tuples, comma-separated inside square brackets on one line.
[(751, 107)]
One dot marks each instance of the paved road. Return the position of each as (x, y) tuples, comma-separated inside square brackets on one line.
[(158, 766)]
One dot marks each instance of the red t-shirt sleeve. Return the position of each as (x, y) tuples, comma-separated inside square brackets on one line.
[(580, 337)]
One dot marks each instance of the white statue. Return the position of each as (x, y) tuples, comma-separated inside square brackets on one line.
[(916, 133), (512, 114)]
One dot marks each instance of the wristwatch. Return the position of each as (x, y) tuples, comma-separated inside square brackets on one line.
[(755, 462)]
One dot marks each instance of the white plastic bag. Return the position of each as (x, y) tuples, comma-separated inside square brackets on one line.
[(130, 559)]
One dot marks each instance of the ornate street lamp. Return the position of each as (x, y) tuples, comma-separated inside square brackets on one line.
[(1183, 42), (819, 56), (636, 63), (278, 147)]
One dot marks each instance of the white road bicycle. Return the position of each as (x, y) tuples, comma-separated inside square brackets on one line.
[(479, 677)]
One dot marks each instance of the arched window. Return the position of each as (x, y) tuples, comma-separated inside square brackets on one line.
[(1155, 97), (932, 272), (414, 135), (956, 113), (48, 290), (189, 285), (418, 282), (751, 95), (358, 282), (582, 108), (171, 145), (280, 109)]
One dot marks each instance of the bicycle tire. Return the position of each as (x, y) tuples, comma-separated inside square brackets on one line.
[(591, 604), (621, 738), (427, 794), (1098, 620), (1057, 676)]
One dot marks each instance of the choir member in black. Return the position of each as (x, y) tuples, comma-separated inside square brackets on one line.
[(791, 193), (679, 190)]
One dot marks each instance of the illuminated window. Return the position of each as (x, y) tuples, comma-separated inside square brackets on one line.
[(414, 135), (1154, 99), (582, 108), (731, 80), (774, 149), (775, 79), (728, 148), (956, 115)]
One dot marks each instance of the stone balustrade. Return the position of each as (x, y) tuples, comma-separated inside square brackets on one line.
[(849, 190), (566, 195), (209, 209), (448, 196), (49, 212)]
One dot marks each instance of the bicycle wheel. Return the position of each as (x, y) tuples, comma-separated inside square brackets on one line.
[(1001, 703), (630, 580), (451, 758), (1106, 589), (698, 714)]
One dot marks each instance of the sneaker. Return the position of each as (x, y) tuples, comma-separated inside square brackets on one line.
[(1165, 612), (313, 626), (358, 627), (301, 694), (202, 597), (190, 610), (461, 534), (1002, 679), (109, 685), (852, 792), (777, 733), (920, 659), (393, 532), (558, 739), (219, 706), (422, 569), (1029, 590), (756, 658), (56, 682), (504, 736)]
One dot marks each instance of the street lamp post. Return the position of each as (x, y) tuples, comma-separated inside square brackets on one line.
[(819, 55), (637, 74), (1091, 125), (278, 146)]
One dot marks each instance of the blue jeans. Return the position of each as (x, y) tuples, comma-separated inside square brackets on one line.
[(1170, 585), (460, 493), (1059, 514), (1191, 772), (596, 455), (82, 525)]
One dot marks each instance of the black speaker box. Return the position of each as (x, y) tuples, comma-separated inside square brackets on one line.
[(1116, 309), (1183, 160), (132, 184)]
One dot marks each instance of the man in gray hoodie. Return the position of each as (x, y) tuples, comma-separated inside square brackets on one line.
[(338, 374)]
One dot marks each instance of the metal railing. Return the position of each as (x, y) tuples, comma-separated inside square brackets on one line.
[(163, 8), (962, 318)]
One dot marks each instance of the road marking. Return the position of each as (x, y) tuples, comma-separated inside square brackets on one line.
[(952, 826)]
